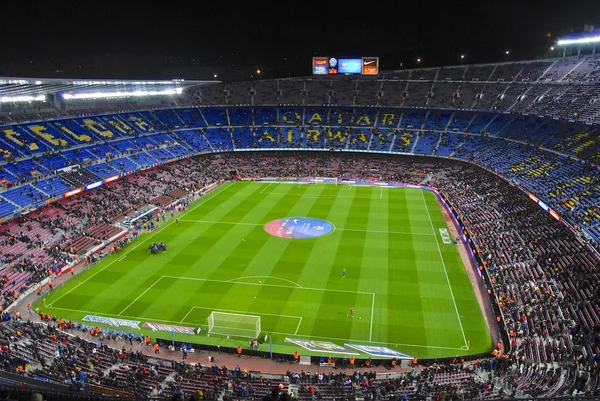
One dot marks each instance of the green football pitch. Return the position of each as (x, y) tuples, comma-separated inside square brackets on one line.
[(408, 286)]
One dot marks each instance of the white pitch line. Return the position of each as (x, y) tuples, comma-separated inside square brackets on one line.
[(141, 295), (241, 312), (267, 285), (233, 280), (233, 223), (315, 196), (187, 314), (145, 239), (384, 232), (222, 222), (437, 243), (372, 314), (298, 328), (274, 332), (262, 191)]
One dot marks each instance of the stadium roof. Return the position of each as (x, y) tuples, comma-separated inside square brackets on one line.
[(37, 89)]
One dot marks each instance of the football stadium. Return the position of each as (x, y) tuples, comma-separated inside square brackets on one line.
[(354, 234)]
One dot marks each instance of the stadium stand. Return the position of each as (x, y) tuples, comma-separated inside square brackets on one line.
[(488, 137), (542, 338), (552, 159)]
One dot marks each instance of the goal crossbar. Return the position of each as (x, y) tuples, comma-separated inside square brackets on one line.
[(324, 180), (234, 324)]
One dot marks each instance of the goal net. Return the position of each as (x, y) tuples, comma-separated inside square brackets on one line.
[(234, 324), (325, 180)]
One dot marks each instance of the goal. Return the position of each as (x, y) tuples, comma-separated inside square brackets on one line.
[(234, 324), (325, 180)]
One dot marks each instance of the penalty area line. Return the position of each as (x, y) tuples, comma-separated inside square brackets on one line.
[(262, 191), (187, 314), (141, 295), (372, 313)]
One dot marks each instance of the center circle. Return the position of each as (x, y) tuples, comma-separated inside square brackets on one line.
[(299, 227)]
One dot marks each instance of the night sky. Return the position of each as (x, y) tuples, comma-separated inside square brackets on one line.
[(195, 40)]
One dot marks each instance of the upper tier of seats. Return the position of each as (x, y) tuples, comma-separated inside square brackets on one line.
[(554, 159), (563, 88)]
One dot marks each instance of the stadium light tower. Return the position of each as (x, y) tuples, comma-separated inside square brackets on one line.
[(589, 36)]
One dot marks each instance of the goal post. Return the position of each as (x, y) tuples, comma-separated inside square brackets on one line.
[(325, 180), (234, 324)]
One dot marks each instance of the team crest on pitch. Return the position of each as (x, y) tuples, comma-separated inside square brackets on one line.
[(299, 227)]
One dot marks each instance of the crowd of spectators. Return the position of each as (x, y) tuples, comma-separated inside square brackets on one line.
[(39, 244), (545, 281), (553, 159)]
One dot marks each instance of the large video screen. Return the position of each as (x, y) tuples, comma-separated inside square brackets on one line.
[(345, 66), (349, 66)]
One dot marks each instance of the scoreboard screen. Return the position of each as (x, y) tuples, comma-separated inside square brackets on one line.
[(349, 66), (345, 66)]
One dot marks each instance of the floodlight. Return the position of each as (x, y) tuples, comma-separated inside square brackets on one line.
[(592, 39)]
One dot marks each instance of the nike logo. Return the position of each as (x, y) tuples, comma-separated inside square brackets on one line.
[(369, 62)]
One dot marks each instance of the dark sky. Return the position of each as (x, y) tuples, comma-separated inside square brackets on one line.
[(196, 39)]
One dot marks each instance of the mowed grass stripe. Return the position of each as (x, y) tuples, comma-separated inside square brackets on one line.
[(292, 257), (333, 309), (405, 323), (319, 266), (473, 323), (268, 266), (374, 264), (377, 277), (439, 314)]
